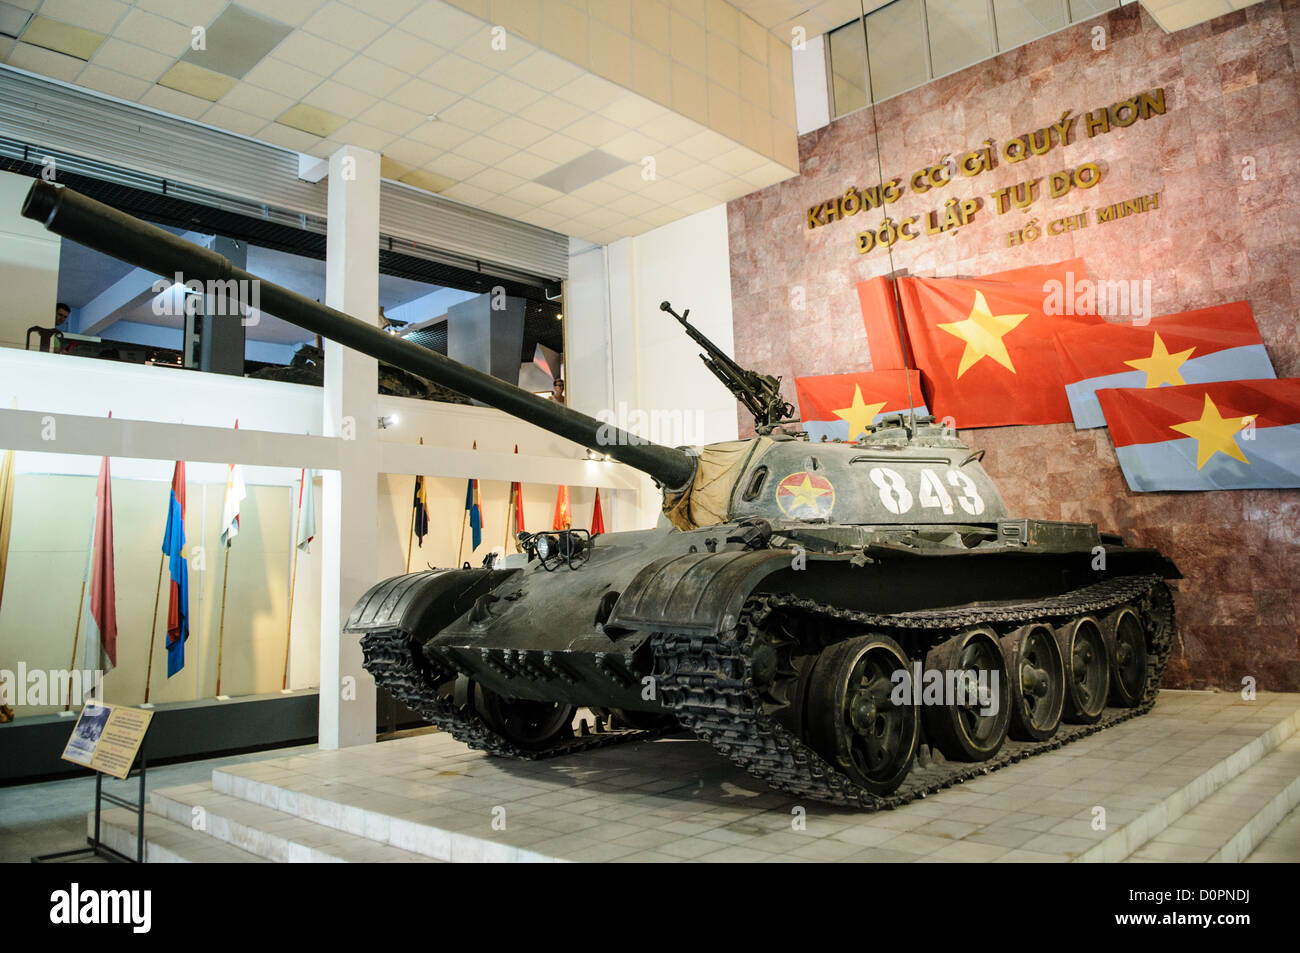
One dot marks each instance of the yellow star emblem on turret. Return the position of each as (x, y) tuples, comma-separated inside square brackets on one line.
[(1162, 367), (983, 332), (1214, 433), (860, 415)]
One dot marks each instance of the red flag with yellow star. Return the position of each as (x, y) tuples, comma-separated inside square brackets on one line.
[(986, 346), (1229, 435), (842, 406), (1220, 343)]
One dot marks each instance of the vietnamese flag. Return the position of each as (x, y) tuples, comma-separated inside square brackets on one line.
[(563, 519), (1228, 435), (597, 517), (99, 651), (880, 317), (842, 406), (1220, 343), (178, 602), (987, 346)]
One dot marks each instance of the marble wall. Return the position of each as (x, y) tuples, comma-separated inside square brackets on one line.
[(1225, 158)]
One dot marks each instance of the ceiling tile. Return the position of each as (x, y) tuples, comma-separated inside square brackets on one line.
[(568, 206), (259, 102), (236, 41), (46, 62), (429, 181), (738, 161), (632, 110), (363, 136), (224, 117), (485, 150), (154, 33), (526, 165), (594, 130), (292, 12), (340, 99), (507, 94), (705, 145), (510, 208), (413, 153), (632, 146), (287, 80), (311, 119), (598, 193), (425, 98), (545, 71), (189, 13), (455, 166), (559, 148), (388, 10), (288, 138), (552, 112), (469, 194), (370, 76), (590, 92), (100, 16), (62, 38), (197, 81), (517, 132), (133, 60), (671, 127), (441, 135), (396, 119), (442, 24), (312, 53), (481, 50), (404, 51), (344, 25), (471, 115), (454, 72), (617, 13), (176, 103), (118, 84)]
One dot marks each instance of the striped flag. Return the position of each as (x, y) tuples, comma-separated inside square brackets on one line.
[(99, 650), (1220, 343), (474, 505), (1230, 435), (842, 406), (173, 546), (235, 493), (420, 518), (597, 517)]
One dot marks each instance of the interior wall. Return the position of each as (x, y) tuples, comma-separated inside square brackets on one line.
[(29, 266), (1224, 160)]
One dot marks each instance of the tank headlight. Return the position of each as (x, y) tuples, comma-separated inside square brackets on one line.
[(543, 547)]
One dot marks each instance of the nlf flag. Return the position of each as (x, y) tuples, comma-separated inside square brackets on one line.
[(843, 406), (178, 602), (1231, 435), (562, 518), (100, 648), (420, 513), (1194, 347), (597, 517), (475, 509), (986, 346)]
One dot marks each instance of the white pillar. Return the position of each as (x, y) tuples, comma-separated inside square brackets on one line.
[(348, 551)]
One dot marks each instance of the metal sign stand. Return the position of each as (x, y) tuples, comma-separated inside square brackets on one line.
[(97, 847)]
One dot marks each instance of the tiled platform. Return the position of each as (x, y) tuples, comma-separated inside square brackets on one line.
[(1204, 776)]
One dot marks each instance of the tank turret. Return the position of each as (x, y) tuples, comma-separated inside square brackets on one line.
[(859, 623)]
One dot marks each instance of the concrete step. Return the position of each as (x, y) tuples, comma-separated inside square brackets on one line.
[(1227, 826), (166, 842), (269, 833), (1131, 839), (1282, 845)]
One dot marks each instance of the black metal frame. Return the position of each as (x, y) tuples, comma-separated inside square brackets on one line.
[(97, 847)]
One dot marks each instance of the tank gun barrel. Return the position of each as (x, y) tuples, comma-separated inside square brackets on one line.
[(105, 229)]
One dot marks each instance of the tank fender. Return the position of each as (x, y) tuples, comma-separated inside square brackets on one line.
[(700, 592), (422, 603)]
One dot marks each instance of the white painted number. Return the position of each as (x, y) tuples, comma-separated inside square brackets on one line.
[(970, 499), (893, 491), (932, 492)]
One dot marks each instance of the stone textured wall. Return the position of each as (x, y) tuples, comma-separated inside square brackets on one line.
[(1218, 236)]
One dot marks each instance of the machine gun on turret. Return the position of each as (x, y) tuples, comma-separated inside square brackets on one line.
[(760, 393)]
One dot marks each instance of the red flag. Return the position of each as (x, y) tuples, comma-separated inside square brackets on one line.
[(987, 346), (597, 518), (517, 498), (563, 519), (842, 406), (103, 590), (880, 317)]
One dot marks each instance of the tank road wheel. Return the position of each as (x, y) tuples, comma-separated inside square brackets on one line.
[(1087, 670), (1037, 682), (971, 723), (1127, 642), (853, 722), (532, 725)]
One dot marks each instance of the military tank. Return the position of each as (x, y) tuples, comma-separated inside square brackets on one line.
[(855, 622)]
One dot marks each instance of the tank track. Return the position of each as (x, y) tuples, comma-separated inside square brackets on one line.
[(390, 656), (708, 682)]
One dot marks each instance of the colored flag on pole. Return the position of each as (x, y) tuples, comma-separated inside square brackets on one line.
[(6, 512), (563, 519), (987, 346), (173, 546), (1230, 435), (306, 510), (597, 517), (1220, 343), (99, 650), (517, 501), (421, 517), (235, 493), (880, 318), (475, 508), (842, 406)]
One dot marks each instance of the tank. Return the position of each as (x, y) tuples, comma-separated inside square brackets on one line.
[(859, 623)]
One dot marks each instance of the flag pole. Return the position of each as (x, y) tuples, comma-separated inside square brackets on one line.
[(293, 579), (153, 630), (76, 637), (510, 509), (461, 548), (221, 628)]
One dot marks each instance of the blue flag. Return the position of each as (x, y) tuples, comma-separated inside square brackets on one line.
[(173, 546), (475, 509)]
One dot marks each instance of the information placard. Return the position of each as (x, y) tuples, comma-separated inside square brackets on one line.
[(106, 738)]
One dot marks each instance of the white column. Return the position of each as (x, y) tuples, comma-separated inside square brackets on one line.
[(348, 551)]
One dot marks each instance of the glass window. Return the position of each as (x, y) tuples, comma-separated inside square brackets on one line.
[(897, 48), (1020, 21), (960, 34), (1087, 9)]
